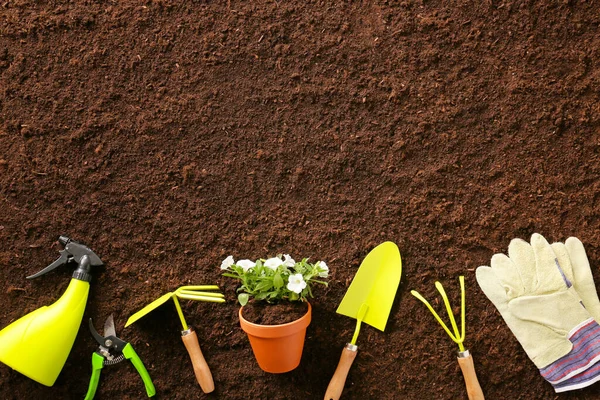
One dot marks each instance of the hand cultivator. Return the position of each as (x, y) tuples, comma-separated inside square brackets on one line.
[(465, 360), (188, 335)]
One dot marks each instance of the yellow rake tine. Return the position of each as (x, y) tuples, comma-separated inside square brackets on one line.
[(202, 298), (455, 337), (440, 289), (199, 287), (195, 293), (462, 305), (437, 317)]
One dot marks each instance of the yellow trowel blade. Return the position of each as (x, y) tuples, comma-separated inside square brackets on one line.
[(375, 284), (155, 304)]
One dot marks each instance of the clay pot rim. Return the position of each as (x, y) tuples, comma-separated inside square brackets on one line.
[(279, 326)]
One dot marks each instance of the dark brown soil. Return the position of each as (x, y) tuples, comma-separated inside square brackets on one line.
[(274, 314), (168, 135)]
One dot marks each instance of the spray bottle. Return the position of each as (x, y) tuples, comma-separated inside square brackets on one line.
[(38, 344)]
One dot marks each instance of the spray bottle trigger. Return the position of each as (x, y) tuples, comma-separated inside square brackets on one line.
[(76, 253), (62, 260)]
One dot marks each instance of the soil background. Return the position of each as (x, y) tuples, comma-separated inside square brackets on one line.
[(168, 135)]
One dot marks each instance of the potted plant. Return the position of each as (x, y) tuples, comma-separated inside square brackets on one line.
[(282, 282)]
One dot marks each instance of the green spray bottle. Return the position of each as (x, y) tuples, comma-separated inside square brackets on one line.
[(38, 344)]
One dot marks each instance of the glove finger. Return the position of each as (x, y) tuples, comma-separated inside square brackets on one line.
[(508, 275), (492, 288), (550, 275), (583, 280), (564, 260), (522, 255)]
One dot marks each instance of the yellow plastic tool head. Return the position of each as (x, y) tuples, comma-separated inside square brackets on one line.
[(195, 292), (375, 284), (457, 337), (149, 308)]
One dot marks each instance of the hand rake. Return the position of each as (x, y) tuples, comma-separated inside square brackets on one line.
[(188, 335)]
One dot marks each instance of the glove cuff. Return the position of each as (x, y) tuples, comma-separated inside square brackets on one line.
[(579, 368)]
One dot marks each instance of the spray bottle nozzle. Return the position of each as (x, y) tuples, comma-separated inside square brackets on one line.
[(76, 253), (63, 240)]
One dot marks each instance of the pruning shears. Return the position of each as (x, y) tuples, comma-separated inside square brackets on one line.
[(113, 350)]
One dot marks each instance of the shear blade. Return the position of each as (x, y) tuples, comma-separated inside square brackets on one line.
[(109, 327)]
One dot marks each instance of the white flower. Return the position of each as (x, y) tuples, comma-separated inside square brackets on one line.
[(228, 262), (273, 263), (325, 269), (296, 283), (246, 264), (288, 261)]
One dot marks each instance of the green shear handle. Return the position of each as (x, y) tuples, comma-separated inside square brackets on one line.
[(132, 356), (98, 362)]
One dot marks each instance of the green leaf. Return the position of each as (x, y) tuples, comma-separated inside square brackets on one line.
[(264, 286), (243, 298), (261, 296), (277, 280), (307, 290)]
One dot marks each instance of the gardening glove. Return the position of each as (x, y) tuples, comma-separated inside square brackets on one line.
[(540, 305), (572, 255)]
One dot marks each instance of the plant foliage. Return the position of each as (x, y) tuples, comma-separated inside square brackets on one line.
[(275, 279)]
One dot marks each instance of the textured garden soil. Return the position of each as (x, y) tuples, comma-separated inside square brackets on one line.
[(167, 137), (274, 314)]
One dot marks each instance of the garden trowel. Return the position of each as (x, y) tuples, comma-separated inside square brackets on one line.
[(368, 299)]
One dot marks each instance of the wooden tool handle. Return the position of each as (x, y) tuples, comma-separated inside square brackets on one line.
[(203, 375), (468, 370), (336, 385)]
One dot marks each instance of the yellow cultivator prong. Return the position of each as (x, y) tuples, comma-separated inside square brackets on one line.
[(457, 337), (197, 293)]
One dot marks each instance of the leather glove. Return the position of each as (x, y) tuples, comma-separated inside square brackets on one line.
[(534, 291)]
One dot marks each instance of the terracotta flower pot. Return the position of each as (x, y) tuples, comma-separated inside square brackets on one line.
[(277, 348)]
